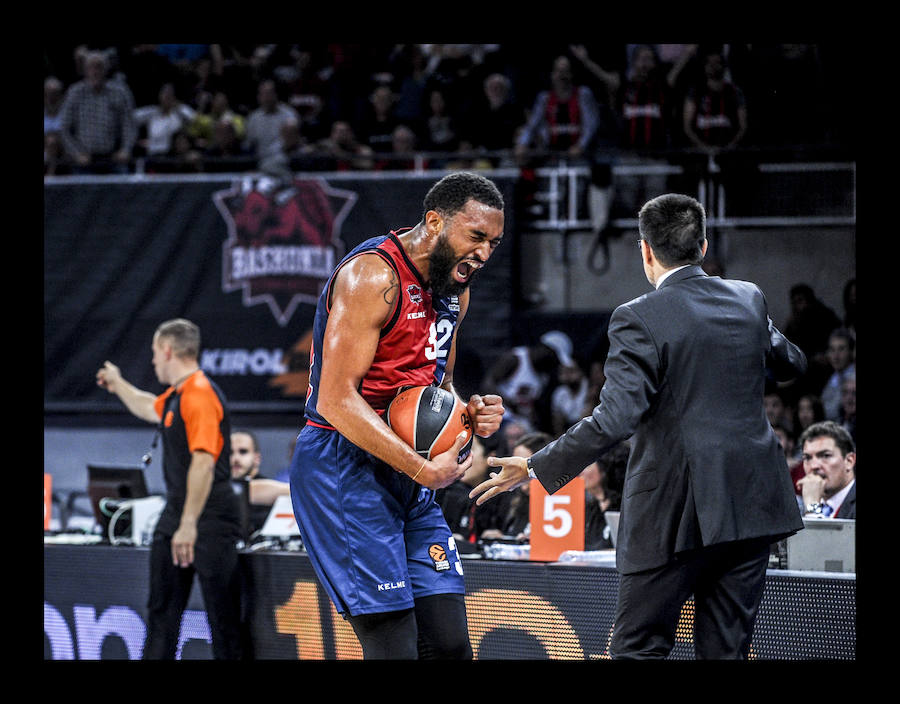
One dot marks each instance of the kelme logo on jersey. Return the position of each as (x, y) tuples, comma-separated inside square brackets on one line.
[(283, 240)]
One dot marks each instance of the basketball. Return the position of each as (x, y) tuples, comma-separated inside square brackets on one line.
[(428, 419)]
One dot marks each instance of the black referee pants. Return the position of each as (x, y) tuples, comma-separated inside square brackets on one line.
[(218, 571)]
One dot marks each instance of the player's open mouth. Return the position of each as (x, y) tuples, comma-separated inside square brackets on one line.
[(465, 269)]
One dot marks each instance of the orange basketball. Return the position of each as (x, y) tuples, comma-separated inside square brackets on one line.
[(429, 419)]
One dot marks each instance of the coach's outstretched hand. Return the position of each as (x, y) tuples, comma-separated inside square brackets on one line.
[(513, 472)]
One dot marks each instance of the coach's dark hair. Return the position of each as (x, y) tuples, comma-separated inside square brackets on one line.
[(184, 335), (450, 195), (674, 225), (829, 429)]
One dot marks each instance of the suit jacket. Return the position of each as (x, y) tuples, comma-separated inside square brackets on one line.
[(848, 508), (685, 378)]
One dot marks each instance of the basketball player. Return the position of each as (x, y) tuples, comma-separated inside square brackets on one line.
[(363, 499)]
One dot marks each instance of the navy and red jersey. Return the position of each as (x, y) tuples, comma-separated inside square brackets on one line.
[(716, 121), (193, 417), (414, 343), (645, 115)]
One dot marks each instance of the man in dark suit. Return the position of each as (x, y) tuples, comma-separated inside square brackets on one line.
[(828, 486), (707, 488)]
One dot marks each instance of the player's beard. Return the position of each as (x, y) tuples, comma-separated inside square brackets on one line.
[(441, 264)]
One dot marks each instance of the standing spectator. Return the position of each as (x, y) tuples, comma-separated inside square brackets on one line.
[(411, 78), (563, 120), (53, 148), (198, 530), (715, 111), (491, 122), (161, 122), (377, 127), (264, 124), (842, 361), (646, 111), (97, 120)]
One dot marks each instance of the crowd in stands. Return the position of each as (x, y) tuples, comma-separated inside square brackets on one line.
[(283, 108)]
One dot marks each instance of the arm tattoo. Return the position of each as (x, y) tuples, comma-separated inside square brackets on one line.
[(390, 293)]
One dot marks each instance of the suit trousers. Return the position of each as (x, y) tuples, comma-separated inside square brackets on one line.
[(218, 571), (727, 582)]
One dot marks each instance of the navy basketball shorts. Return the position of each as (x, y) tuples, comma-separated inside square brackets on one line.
[(376, 539)]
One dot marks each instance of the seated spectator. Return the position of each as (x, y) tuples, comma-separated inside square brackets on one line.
[(224, 144), (158, 124), (402, 156), (849, 299), (525, 376), (841, 358), (848, 405), (376, 128), (205, 123), (517, 521), (809, 325), (603, 481), (341, 151), (828, 487), (807, 410), (569, 397), (246, 461), (440, 128), (777, 411)]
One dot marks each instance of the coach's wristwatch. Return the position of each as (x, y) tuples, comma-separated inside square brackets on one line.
[(530, 469), (814, 508)]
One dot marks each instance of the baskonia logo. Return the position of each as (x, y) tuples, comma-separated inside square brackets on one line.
[(283, 240)]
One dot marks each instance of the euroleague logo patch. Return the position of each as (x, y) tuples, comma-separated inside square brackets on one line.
[(438, 556)]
